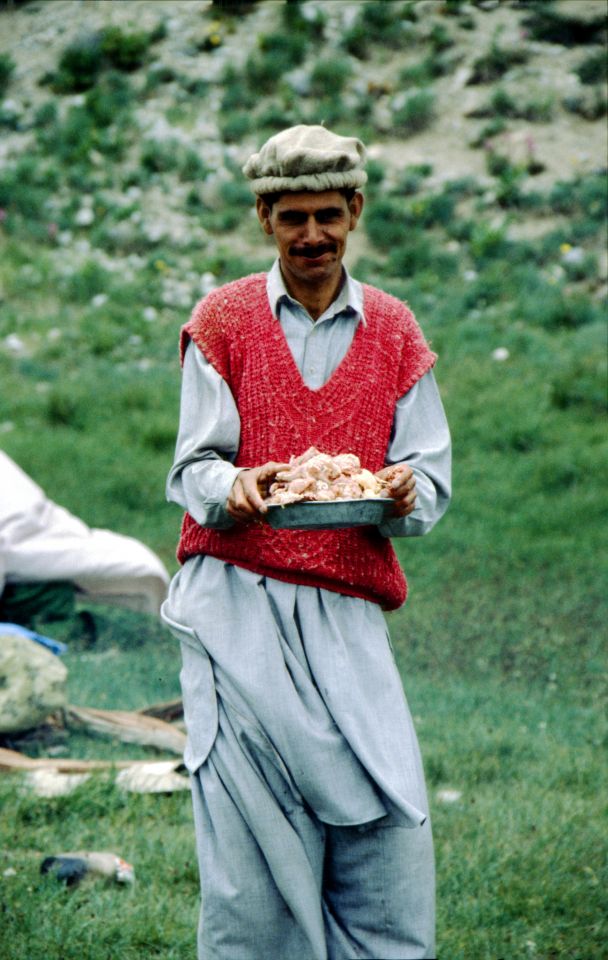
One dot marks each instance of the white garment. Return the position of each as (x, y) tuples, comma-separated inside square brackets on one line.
[(41, 541)]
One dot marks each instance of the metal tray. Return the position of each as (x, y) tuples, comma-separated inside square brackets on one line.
[(332, 515)]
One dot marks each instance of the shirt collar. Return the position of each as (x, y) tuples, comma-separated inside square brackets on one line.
[(349, 299)]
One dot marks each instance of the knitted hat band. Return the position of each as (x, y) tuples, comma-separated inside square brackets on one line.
[(307, 158)]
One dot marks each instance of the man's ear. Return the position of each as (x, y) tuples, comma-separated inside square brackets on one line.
[(355, 207), (263, 211)]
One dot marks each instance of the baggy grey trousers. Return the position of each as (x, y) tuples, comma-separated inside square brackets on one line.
[(278, 884), (310, 809)]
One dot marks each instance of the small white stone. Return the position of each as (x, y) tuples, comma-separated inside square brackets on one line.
[(15, 344), (448, 796), (574, 255), (84, 217)]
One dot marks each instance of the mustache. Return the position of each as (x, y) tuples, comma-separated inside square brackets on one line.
[(312, 252)]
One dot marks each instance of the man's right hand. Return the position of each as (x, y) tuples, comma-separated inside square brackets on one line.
[(246, 499)]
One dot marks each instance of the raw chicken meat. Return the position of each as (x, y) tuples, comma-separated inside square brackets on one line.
[(317, 476)]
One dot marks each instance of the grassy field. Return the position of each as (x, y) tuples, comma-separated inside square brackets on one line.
[(502, 644)]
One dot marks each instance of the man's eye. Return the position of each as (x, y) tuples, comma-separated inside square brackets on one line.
[(328, 216), (291, 219)]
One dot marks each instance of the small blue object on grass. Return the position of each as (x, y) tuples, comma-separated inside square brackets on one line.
[(55, 646)]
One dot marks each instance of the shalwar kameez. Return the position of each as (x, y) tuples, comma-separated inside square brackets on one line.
[(311, 816)]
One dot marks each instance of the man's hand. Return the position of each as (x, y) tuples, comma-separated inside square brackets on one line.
[(402, 487), (246, 499)]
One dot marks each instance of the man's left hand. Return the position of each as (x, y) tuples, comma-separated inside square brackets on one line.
[(402, 487)]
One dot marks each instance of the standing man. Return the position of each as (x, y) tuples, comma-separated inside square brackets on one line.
[(311, 816)]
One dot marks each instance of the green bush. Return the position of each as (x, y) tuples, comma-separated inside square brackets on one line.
[(277, 53), (551, 25), (591, 104), (412, 177), (125, 51), (430, 211), (382, 23), (310, 25), (423, 73), (421, 257), (46, 114), (585, 195), (109, 98), (488, 242), (385, 223), (79, 65), (440, 38), (85, 58), (594, 68), (235, 126), (234, 8), (72, 140), (415, 114), (160, 156), (539, 108), (7, 67), (329, 77), (237, 95), (497, 61), (25, 187)]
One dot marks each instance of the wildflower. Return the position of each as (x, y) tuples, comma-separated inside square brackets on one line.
[(99, 299), (565, 248), (160, 265), (500, 354)]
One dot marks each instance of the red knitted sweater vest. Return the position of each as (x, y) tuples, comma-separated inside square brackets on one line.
[(280, 416)]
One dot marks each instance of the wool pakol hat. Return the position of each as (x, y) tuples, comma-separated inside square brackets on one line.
[(307, 158)]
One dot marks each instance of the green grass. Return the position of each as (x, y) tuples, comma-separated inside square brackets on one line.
[(519, 853)]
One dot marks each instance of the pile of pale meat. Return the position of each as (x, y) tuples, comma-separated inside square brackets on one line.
[(318, 477)]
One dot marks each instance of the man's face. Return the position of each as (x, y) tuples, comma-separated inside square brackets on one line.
[(310, 230)]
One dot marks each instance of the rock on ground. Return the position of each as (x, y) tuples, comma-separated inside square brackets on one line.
[(32, 683)]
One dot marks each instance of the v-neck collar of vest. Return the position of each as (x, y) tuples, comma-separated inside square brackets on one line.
[(345, 369)]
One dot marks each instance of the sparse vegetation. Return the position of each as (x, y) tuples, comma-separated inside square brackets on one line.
[(413, 112), (496, 62)]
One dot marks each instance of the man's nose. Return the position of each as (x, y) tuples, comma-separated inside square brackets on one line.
[(312, 231)]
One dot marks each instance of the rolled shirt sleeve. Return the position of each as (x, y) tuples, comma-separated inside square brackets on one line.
[(207, 443), (421, 438)]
